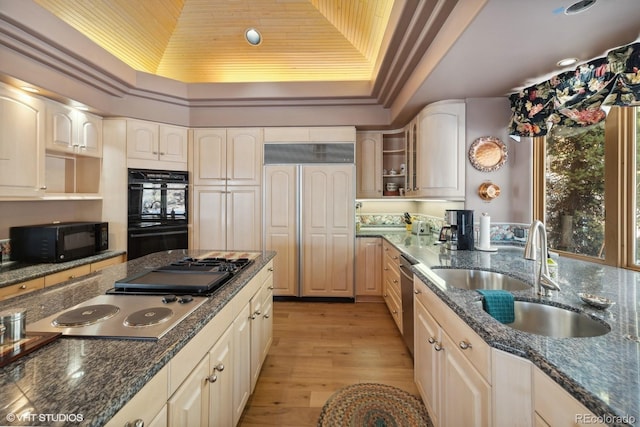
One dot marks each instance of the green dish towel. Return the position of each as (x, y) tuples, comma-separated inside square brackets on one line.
[(499, 304)]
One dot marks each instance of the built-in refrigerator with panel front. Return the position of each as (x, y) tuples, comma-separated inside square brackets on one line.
[(310, 218)]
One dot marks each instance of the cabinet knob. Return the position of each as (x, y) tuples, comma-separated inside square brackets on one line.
[(270, 288), (395, 280), (266, 316), (212, 378), (23, 287), (417, 292), (438, 346), (219, 368), (465, 345), (162, 154), (431, 340), (136, 423), (44, 187), (270, 269), (154, 152)]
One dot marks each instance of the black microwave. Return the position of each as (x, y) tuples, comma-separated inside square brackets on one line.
[(58, 242)]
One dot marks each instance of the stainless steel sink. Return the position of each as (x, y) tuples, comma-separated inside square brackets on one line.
[(557, 322), (479, 279)]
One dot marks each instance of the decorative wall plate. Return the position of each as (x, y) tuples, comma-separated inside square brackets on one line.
[(488, 191), (487, 154)]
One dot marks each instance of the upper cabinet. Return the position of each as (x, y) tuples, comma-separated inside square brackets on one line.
[(230, 156), (72, 131), (369, 164), (21, 144), (440, 152), (156, 146)]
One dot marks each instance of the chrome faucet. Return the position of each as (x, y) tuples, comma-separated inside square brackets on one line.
[(543, 283)]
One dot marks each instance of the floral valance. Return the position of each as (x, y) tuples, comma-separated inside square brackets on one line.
[(575, 98)]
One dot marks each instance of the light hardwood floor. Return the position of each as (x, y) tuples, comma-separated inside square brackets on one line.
[(317, 349)]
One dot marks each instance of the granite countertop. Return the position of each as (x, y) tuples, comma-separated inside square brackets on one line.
[(600, 372), (95, 377), (16, 272)]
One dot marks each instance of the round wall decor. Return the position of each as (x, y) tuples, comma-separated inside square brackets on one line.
[(487, 154)]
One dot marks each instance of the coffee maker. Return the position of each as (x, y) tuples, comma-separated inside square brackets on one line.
[(460, 235)]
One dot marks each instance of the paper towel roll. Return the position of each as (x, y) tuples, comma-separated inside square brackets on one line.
[(485, 231)]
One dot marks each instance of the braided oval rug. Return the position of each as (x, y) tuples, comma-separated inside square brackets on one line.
[(373, 405)]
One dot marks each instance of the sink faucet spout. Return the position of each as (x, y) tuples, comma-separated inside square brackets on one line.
[(544, 282)]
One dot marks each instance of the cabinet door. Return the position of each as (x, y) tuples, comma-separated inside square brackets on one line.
[(266, 328), (244, 156), (244, 219), (189, 405), (142, 140), (210, 157), (256, 338), (89, 134), (280, 226), (441, 150), (241, 361), (465, 396), (368, 266), (369, 164), (209, 218), (21, 144), (327, 230), (59, 130), (221, 381), (172, 144), (426, 365)]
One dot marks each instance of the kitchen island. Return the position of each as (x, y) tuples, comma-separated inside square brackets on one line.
[(599, 372), (86, 381)]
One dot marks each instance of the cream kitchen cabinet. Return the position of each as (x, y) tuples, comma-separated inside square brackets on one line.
[(368, 164), (189, 406), (220, 380), (391, 281), (22, 144), (440, 151), (309, 134), (156, 146), (452, 364), (227, 218), (261, 327), (555, 407), (73, 131), (227, 156), (242, 361), (368, 271)]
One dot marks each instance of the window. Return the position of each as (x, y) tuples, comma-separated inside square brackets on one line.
[(581, 173)]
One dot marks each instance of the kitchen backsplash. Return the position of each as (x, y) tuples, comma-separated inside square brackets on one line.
[(500, 232), (5, 249)]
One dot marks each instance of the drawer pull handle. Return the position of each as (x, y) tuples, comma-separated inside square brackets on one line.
[(270, 269), (438, 346), (465, 345), (266, 316), (220, 367), (23, 287), (136, 423), (431, 340), (417, 292), (212, 378)]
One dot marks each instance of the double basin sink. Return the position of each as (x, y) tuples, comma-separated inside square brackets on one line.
[(530, 317)]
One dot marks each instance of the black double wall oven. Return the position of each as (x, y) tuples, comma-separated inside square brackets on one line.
[(157, 211)]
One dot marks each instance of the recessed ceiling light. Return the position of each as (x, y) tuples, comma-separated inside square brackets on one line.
[(253, 36), (566, 62), (29, 89), (579, 7)]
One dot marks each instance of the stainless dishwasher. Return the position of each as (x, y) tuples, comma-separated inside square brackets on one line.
[(406, 289)]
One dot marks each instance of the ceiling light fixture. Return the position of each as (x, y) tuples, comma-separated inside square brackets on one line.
[(579, 7), (253, 36), (566, 62)]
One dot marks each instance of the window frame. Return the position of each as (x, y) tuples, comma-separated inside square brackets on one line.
[(620, 171)]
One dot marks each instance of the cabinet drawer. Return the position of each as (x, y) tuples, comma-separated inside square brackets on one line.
[(21, 288), (476, 350), (99, 265), (389, 250), (63, 276), (395, 308)]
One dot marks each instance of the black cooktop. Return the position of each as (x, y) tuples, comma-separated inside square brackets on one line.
[(189, 276)]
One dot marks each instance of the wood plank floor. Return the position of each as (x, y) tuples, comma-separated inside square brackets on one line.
[(317, 349)]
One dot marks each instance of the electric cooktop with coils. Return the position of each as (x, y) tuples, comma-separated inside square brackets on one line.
[(120, 316)]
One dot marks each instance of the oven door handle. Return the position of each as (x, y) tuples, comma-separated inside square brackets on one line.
[(159, 233)]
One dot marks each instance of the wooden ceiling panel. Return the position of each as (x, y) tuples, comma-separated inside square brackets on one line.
[(203, 40)]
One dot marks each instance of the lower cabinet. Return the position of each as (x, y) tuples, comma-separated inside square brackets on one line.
[(368, 272), (452, 364), (208, 382)]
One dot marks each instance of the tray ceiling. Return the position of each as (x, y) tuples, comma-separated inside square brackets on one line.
[(197, 41)]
